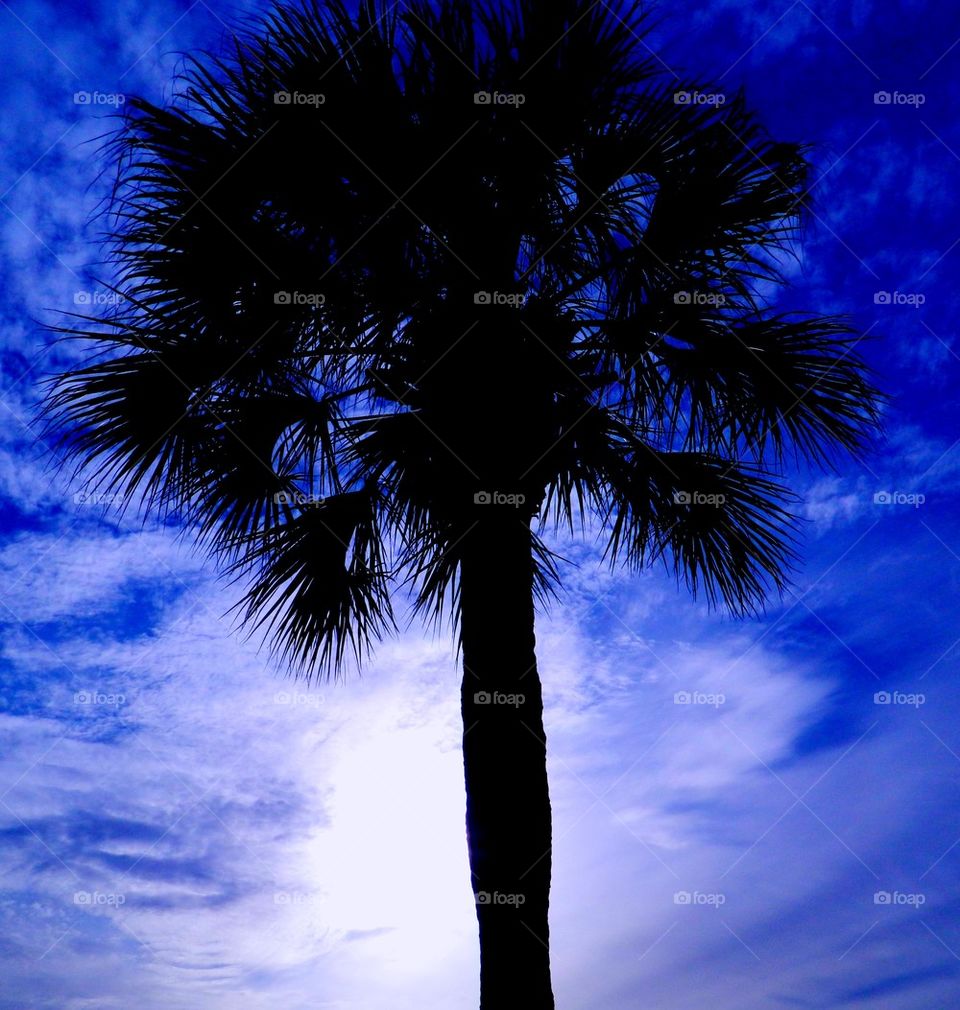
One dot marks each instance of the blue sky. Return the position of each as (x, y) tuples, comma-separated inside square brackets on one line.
[(183, 827)]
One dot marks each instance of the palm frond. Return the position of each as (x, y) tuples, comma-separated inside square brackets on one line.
[(722, 526), (775, 384), (318, 585)]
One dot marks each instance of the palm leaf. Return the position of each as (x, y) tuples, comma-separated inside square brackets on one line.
[(318, 586)]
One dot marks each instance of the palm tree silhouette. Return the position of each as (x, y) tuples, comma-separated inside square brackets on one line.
[(401, 281)]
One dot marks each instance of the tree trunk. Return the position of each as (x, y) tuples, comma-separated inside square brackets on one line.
[(504, 757)]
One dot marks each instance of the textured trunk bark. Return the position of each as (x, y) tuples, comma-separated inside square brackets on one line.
[(504, 756)]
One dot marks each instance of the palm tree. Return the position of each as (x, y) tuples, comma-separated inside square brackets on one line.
[(405, 286)]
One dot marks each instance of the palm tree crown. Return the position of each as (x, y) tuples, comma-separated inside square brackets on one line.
[(388, 273)]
